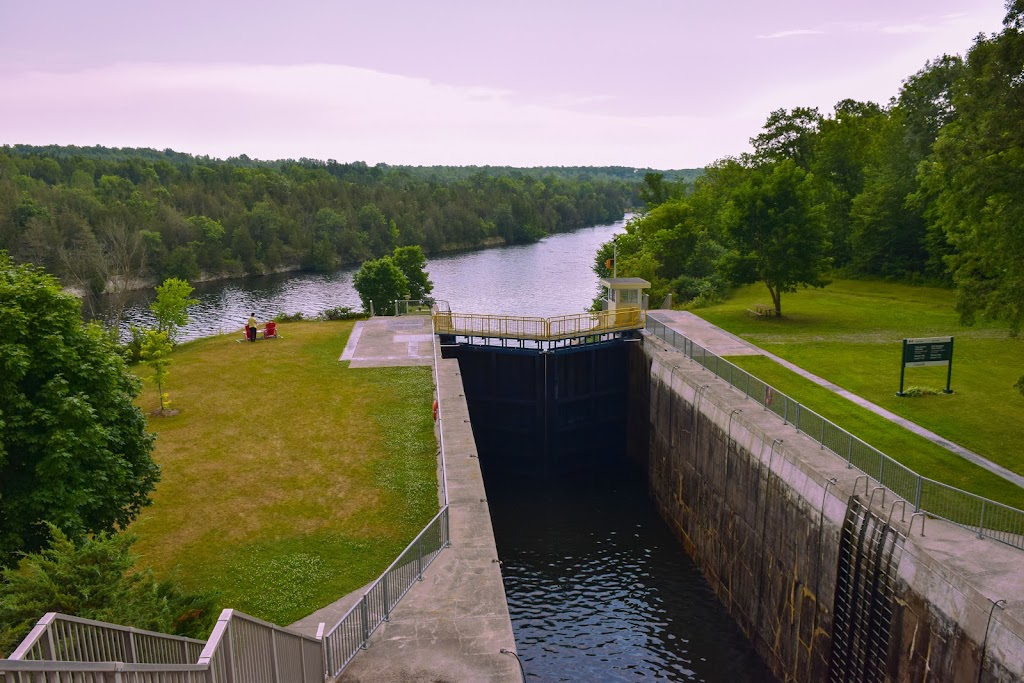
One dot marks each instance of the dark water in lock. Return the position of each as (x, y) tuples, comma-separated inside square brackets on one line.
[(548, 278), (600, 590)]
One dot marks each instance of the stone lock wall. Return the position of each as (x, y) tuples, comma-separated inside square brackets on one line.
[(760, 508)]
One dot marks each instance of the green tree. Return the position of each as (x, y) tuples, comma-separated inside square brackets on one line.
[(975, 176), (156, 353), (171, 306), (96, 579), (412, 262), (778, 232), (788, 135), (380, 283), (73, 445)]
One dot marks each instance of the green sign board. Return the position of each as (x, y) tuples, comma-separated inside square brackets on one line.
[(925, 352)]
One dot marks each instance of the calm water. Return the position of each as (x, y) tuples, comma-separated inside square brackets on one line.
[(600, 590), (551, 277)]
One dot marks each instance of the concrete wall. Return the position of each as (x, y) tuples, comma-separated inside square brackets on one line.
[(752, 502)]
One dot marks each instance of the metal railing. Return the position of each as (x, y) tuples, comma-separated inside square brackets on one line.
[(59, 637), (352, 632), (413, 306), (538, 329), (243, 648), (984, 516)]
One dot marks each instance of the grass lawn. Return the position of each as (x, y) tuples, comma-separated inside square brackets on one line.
[(850, 333), (288, 479)]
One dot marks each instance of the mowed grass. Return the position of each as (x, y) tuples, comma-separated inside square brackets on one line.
[(916, 452), (851, 334), (288, 479)]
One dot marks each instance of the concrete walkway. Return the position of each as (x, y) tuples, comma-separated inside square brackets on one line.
[(388, 341), (723, 343)]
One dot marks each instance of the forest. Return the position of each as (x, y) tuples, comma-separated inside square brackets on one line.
[(103, 219), (926, 188)]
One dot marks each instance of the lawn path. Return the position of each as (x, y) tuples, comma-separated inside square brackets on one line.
[(723, 343)]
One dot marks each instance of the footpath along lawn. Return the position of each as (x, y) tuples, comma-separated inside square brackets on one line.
[(850, 333), (288, 479)]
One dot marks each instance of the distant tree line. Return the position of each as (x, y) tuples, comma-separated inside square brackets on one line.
[(928, 188), (102, 218)]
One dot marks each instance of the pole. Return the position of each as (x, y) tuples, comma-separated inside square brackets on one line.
[(949, 366), (903, 366), (615, 258)]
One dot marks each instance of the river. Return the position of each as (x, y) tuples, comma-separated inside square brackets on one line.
[(551, 277)]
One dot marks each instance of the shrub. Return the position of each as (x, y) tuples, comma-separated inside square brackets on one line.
[(283, 317), (94, 579), (342, 313)]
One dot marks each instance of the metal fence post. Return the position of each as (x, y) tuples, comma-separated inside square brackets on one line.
[(849, 457), (387, 603), (419, 559), (981, 522), (917, 496), (273, 655), (822, 439), (796, 422), (365, 613)]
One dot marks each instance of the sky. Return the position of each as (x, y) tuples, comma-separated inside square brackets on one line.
[(642, 83)]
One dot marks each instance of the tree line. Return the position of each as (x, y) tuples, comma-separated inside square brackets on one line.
[(101, 219), (927, 188)]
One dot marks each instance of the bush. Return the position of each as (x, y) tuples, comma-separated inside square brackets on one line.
[(283, 317), (916, 392), (342, 313), (94, 579)]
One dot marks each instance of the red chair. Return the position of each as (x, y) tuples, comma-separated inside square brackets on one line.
[(270, 331)]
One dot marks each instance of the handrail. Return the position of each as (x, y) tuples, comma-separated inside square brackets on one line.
[(556, 328), (971, 511), (242, 647), (56, 637)]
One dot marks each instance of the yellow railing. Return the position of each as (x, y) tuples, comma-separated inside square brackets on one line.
[(539, 329)]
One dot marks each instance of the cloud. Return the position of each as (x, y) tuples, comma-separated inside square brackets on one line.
[(907, 28), (791, 33), (345, 113)]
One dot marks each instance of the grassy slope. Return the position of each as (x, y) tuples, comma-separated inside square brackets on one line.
[(851, 332), (288, 478)]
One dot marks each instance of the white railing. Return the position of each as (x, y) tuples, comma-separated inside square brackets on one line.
[(241, 649), (59, 637)]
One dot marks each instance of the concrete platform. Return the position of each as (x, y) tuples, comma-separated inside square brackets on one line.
[(388, 341), (452, 626)]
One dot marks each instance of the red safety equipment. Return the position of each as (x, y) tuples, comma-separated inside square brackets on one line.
[(435, 410)]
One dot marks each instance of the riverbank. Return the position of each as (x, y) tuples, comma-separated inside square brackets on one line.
[(288, 478), (140, 283)]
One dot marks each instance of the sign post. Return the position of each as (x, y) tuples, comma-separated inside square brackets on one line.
[(927, 351)]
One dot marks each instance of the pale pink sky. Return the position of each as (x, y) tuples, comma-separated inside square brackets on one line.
[(660, 83)]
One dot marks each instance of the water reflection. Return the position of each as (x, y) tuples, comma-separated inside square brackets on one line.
[(551, 277)]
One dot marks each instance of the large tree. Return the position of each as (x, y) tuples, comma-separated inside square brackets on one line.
[(778, 231), (412, 263), (976, 174), (73, 445), (380, 283)]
